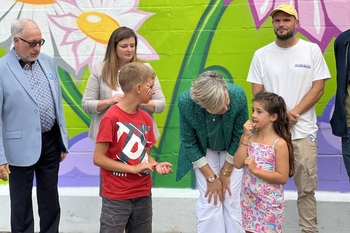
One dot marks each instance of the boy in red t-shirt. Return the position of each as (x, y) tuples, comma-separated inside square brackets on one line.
[(123, 148)]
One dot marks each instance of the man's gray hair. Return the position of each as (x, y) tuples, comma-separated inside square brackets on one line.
[(18, 26)]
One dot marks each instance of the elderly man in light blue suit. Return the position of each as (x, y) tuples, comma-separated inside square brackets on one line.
[(33, 136)]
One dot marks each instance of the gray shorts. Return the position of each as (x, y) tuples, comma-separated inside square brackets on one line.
[(133, 215)]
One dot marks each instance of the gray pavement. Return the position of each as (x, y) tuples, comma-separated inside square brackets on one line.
[(174, 211)]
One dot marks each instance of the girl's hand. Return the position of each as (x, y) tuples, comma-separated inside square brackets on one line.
[(248, 128), (163, 168), (250, 163)]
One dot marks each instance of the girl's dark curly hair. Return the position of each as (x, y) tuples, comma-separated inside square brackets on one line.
[(274, 104)]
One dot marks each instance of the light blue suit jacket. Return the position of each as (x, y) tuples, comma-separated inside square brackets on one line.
[(20, 129)]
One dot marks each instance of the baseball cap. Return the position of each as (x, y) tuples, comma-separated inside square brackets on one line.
[(289, 9)]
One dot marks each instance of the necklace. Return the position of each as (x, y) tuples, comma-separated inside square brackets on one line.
[(213, 116)]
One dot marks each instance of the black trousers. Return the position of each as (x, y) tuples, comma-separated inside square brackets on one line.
[(21, 185)]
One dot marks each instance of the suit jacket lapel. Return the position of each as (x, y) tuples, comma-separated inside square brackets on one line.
[(201, 123), (18, 73), (227, 122)]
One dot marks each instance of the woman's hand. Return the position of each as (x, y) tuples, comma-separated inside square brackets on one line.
[(214, 190), (116, 99), (225, 181)]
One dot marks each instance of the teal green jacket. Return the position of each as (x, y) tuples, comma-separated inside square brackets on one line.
[(193, 129)]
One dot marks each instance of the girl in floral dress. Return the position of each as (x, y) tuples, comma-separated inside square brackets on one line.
[(266, 152)]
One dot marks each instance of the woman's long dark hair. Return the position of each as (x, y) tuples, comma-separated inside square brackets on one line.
[(274, 104)]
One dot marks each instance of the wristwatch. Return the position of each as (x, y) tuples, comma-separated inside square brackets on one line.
[(211, 179)]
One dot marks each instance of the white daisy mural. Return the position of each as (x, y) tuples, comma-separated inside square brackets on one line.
[(83, 30), (37, 10)]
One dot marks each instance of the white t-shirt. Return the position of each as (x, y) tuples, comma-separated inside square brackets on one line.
[(289, 72), (119, 91)]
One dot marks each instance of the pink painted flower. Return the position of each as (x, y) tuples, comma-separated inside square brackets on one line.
[(319, 21)]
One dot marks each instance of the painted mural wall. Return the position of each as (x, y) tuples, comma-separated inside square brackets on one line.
[(180, 39)]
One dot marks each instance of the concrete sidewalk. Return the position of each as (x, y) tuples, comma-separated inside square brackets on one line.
[(174, 211)]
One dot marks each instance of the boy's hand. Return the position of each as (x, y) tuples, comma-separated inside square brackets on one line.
[(163, 168), (143, 167)]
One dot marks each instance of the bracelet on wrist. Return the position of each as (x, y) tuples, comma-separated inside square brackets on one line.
[(246, 144), (225, 172)]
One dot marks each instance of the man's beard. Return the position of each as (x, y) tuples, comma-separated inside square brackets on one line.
[(284, 37)]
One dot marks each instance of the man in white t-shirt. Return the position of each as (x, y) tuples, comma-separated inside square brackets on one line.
[(296, 70)]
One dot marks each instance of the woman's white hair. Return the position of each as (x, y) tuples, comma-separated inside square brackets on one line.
[(208, 91)]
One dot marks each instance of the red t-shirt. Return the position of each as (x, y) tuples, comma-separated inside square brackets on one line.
[(128, 135)]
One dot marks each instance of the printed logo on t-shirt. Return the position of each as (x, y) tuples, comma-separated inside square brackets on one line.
[(133, 141), (303, 66)]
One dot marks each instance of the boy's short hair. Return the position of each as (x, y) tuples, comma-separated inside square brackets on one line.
[(134, 73)]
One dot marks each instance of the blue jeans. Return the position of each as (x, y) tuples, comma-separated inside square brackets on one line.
[(345, 146)]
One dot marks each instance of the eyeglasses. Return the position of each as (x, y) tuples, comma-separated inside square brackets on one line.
[(33, 43)]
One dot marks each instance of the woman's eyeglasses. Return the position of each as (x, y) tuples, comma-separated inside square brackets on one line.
[(33, 43)]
